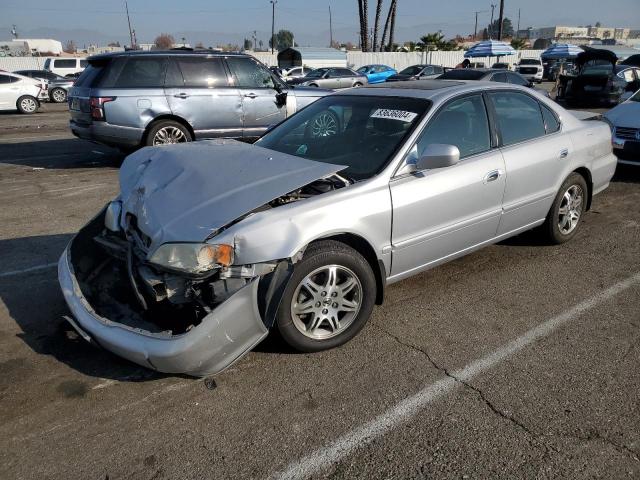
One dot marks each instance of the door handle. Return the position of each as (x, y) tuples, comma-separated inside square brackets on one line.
[(492, 176), (250, 95), (564, 152), (181, 95)]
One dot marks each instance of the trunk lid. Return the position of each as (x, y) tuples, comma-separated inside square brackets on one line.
[(185, 192)]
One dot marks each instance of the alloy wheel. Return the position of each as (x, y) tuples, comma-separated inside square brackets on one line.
[(59, 95), (169, 135), (570, 209), (29, 105), (324, 125), (326, 302)]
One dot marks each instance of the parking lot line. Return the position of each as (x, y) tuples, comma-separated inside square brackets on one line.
[(12, 273), (406, 409)]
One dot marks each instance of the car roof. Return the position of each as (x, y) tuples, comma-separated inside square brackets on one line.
[(176, 52), (429, 89)]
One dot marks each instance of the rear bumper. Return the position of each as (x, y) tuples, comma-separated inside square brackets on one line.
[(223, 336), (108, 134)]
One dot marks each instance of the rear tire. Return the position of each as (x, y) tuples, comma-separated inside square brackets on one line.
[(58, 95), (568, 208), (166, 132), (328, 299), (27, 104)]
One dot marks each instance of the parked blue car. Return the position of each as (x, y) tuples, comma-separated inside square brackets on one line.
[(377, 73)]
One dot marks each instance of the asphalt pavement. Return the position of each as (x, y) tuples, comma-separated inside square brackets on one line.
[(517, 361)]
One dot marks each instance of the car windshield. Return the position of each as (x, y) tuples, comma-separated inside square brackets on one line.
[(635, 97), (363, 69), (529, 61), (361, 132), (316, 73), (416, 69)]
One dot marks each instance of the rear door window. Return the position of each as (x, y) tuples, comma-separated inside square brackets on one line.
[(249, 74), (499, 77), (517, 79), (201, 72), (519, 117), (64, 63), (5, 79), (344, 72)]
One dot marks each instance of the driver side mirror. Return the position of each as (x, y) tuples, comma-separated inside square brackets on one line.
[(436, 155)]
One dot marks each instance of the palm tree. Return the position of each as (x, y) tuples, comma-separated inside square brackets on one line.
[(363, 11), (376, 27), (519, 43), (390, 21), (393, 25)]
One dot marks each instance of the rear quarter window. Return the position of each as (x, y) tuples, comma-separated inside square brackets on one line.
[(135, 72), (90, 75)]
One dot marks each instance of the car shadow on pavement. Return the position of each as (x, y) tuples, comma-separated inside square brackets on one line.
[(627, 173), (35, 303), (59, 154)]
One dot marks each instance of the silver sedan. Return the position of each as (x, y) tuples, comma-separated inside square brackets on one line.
[(334, 78), (210, 245)]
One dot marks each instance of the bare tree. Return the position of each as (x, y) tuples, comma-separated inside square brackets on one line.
[(376, 27), (70, 47), (164, 41)]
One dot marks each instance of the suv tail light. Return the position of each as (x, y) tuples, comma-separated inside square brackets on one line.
[(97, 107)]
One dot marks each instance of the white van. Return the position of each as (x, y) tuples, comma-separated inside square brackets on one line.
[(65, 66)]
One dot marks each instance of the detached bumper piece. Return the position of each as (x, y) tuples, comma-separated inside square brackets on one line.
[(214, 339)]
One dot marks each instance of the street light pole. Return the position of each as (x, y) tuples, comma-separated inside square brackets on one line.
[(330, 29), (273, 24)]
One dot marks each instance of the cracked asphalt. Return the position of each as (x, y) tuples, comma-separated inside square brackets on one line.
[(566, 405)]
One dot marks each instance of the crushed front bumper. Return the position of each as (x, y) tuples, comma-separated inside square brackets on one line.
[(232, 329)]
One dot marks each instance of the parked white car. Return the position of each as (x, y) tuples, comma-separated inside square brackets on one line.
[(295, 72), (65, 66), (625, 128), (531, 69), (21, 93)]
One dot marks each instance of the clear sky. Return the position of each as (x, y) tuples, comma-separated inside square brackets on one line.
[(308, 19)]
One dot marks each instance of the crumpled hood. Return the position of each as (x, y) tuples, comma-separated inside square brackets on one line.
[(184, 192), (626, 114)]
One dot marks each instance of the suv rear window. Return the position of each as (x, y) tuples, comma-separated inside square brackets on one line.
[(135, 72)]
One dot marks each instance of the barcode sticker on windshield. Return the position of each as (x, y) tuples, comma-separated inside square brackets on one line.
[(394, 115)]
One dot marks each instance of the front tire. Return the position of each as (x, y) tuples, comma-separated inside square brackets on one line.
[(328, 299), (167, 132), (27, 104), (567, 210), (58, 95)]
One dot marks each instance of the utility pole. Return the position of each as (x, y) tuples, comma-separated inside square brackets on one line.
[(126, 6), (491, 24), (475, 29), (330, 29), (518, 29), (273, 24), (501, 19)]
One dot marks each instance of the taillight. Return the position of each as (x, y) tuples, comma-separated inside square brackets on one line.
[(97, 107)]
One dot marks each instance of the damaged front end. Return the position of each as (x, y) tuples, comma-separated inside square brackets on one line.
[(169, 321)]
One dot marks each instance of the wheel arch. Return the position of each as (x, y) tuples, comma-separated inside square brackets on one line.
[(585, 173), (167, 116), (362, 246)]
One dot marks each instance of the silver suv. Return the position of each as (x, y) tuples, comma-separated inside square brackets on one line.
[(132, 99)]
